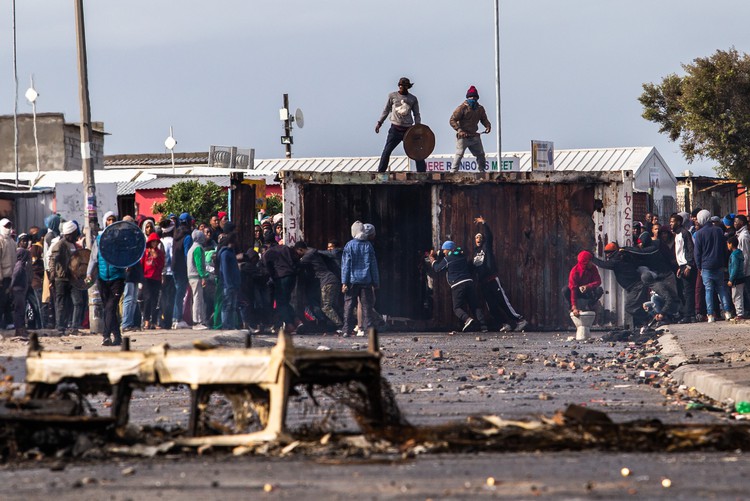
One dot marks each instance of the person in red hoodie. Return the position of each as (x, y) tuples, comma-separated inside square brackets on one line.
[(153, 264), (584, 285)]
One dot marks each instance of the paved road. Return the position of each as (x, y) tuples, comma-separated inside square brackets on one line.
[(514, 376)]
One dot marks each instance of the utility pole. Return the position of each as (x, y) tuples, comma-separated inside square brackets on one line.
[(287, 139), (87, 166)]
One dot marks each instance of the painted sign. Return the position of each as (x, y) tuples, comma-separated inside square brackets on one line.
[(542, 155), (469, 164)]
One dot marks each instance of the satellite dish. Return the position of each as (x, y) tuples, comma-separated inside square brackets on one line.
[(299, 118)]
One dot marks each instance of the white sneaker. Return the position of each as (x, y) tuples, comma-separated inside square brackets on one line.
[(199, 327), (469, 323), (711, 318), (174, 326), (727, 315), (506, 328), (182, 325)]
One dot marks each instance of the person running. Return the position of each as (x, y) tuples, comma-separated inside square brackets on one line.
[(485, 268), (459, 278)]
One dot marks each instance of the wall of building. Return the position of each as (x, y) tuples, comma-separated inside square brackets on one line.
[(59, 144)]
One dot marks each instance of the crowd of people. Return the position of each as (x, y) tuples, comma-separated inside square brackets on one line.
[(191, 275), (692, 269)]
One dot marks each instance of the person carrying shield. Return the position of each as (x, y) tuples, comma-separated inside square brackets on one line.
[(465, 120), (111, 283), (400, 108)]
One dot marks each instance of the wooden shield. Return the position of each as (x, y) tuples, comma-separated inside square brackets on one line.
[(419, 142)]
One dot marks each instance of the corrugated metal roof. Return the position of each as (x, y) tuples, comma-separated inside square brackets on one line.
[(151, 159)]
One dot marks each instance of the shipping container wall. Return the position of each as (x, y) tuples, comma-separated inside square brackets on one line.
[(402, 218), (538, 230)]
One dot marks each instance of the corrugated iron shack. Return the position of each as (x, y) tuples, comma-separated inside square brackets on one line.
[(540, 222)]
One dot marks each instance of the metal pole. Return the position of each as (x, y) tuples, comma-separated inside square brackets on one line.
[(15, 96), (87, 166), (288, 126), (171, 150), (497, 81)]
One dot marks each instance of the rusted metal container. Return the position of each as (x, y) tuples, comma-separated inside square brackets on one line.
[(540, 221)]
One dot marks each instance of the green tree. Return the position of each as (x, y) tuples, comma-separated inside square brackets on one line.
[(200, 200), (707, 110), (274, 205)]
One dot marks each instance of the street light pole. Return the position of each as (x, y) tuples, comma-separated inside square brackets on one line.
[(87, 166), (497, 82)]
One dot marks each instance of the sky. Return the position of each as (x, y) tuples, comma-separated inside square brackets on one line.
[(571, 70)]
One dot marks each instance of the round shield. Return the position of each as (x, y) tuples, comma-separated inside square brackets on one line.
[(122, 244), (79, 262), (419, 142)]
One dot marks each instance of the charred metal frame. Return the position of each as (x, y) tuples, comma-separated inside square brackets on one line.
[(266, 375)]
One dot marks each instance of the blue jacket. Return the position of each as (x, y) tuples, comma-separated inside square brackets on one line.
[(710, 248), (359, 266), (736, 265), (107, 272), (457, 266), (230, 269)]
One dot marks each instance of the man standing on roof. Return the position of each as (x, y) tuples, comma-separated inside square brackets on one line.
[(399, 108), (465, 120)]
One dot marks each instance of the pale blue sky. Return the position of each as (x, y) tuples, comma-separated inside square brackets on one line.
[(216, 71)]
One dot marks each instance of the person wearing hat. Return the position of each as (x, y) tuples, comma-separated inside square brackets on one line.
[(166, 298), (710, 257), (59, 261), (7, 263), (180, 247), (465, 120), (459, 279), (625, 268), (402, 109), (485, 268), (111, 284)]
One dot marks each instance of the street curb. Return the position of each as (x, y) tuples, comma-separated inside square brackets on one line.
[(717, 387)]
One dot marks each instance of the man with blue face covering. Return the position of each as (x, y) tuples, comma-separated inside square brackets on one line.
[(465, 120)]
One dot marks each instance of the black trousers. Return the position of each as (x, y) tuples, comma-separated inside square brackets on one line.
[(464, 294), (151, 290), (110, 293), (395, 136), (688, 292), (166, 301), (584, 300), (498, 302), (365, 295), (635, 296)]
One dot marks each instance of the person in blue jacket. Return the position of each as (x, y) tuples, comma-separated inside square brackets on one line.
[(458, 273)]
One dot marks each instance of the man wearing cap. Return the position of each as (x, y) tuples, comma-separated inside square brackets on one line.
[(111, 283), (166, 299), (7, 263), (59, 263), (465, 120), (710, 257), (400, 108), (461, 284)]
